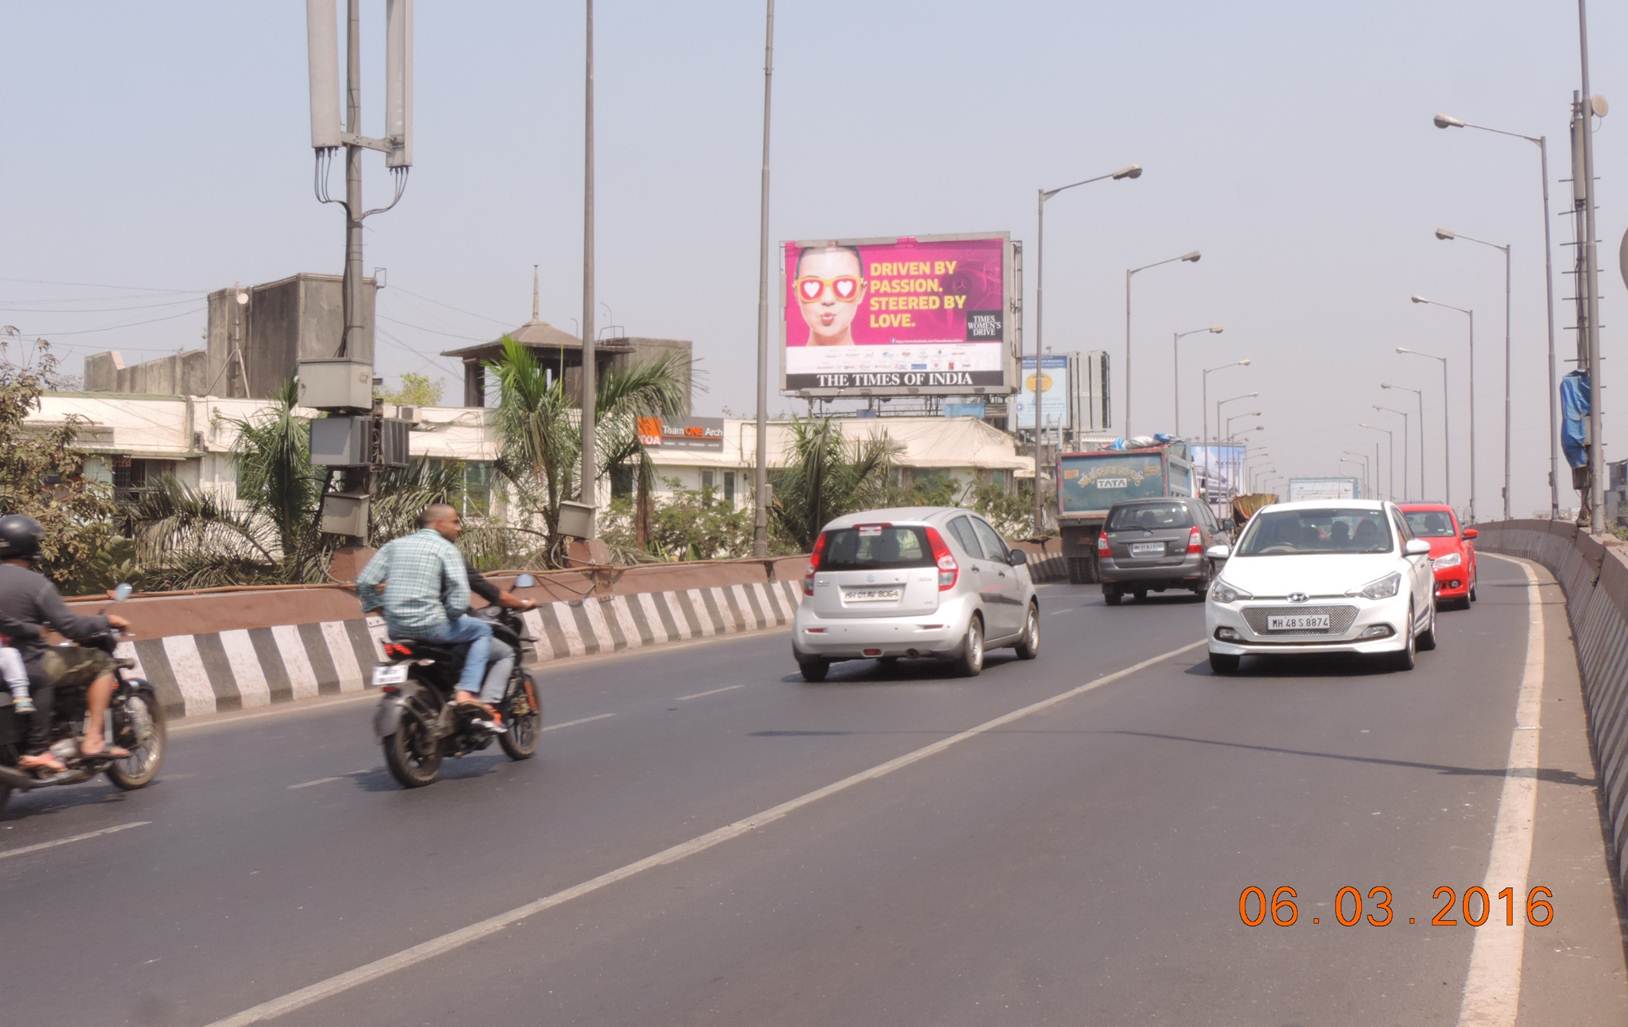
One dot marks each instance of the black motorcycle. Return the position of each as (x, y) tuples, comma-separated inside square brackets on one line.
[(417, 721), (137, 725)]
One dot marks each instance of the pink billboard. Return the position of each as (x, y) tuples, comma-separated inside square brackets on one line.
[(897, 315)]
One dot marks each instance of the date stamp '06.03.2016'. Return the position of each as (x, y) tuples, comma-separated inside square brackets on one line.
[(1353, 907)]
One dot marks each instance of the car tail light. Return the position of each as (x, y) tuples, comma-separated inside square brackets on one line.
[(813, 565), (948, 569), (1195, 542), (1103, 548)]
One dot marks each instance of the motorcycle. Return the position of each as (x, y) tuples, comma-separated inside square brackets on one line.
[(419, 725), (137, 725)]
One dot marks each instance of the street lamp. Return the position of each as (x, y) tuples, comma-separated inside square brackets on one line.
[(1468, 312), (1447, 121), (1446, 433), (1367, 475), (1361, 465), (1390, 444), (1129, 171), (1175, 365), (1204, 404), (1219, 426), (1190, 258), (1447, 234), (1418, 394), (1405, 419)]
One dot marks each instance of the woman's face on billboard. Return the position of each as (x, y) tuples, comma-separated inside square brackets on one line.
[(830, 288)]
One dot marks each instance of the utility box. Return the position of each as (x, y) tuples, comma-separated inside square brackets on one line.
[(340, 441), (345, 514), (394, 439), (576, 519), (336, 384)]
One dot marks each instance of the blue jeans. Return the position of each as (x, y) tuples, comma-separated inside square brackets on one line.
[(478, 634)]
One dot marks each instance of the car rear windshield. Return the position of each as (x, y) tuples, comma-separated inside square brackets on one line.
[(868, 547), (1152, 516), (1292, 532), (1430, 523)]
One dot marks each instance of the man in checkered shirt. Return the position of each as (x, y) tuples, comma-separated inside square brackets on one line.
[(425, 592)]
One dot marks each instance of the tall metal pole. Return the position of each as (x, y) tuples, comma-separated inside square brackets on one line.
[(1472, 416), (590, 463), (1175, 378), (352, 288), (1507, 367), (1204, 439), (1549, 296), (1418, 395), (760, 477), (1039, 329), (1446, 436), (1596, 448), (1128, 353)]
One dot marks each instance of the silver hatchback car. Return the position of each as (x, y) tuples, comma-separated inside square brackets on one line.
[(934, 582)]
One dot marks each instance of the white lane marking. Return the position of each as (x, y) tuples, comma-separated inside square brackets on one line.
[(26, 849), (311, 784), (1054, 613), (580, 720), (703, 695), (445, 943), (1492, 987)]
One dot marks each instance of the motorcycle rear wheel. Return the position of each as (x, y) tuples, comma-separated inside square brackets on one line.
[(414, 758), (525, 721)]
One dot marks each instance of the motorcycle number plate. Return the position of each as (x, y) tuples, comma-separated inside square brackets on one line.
[(389, 674)]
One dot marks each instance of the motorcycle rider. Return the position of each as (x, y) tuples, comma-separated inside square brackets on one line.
[(420, 584), (501, 659), (29, 597)]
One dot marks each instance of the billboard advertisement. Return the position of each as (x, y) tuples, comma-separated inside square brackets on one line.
[(925, 315), (691, 433), (1056, 386), (1222, 466)]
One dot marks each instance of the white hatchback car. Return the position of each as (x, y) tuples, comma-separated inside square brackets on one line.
[(1322, 577), (934, 582)]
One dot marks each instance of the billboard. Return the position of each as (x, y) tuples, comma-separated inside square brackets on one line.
[(1222, 466), (690, 433), (928, 315), (1056, 387)]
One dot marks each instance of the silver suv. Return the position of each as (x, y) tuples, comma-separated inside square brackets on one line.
[(935, 582)]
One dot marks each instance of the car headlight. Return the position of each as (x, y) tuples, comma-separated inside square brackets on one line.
[(1450, 560), (1384, 588), (1222, 592)]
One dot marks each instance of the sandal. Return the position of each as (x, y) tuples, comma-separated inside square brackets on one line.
[(42, 761), (108, 752)]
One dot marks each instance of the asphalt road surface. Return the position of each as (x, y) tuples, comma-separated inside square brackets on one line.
[(706, 839)]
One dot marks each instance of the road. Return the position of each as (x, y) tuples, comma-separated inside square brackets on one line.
[(1080, 861)]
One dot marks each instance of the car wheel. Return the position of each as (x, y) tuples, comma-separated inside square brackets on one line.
[(1472, 596), (1405, 659), (1427, 641), (1202, 589), (970, 660), (1028, 646), (1112, 596), (1222, 663), (814, 668)]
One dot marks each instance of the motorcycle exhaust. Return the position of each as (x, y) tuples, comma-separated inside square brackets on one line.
[(10, 777)]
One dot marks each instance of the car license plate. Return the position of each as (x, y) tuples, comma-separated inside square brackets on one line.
[(1147, 549), (872, 595), (1298, 622), (389, 674)]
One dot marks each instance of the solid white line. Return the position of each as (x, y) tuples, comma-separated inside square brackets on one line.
[(25, 850), (445, 943), (582, 720), (310, 784), (1492, 987), (703, 695)]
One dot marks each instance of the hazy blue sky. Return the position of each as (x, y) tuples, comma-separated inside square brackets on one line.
[(166, 145)]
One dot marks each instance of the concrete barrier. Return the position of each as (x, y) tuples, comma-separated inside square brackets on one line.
[(1046, 561), (1593, 573)]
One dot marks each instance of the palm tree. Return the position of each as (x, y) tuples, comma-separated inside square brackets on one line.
[(540, 424), (828, 476)]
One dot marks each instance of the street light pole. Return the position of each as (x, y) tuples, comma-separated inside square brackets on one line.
[(1390, 445), (1191, 258), (760, 473), (1471, 314), (1591, 291), (1542, 142), (1442, 233), (1418, 395), (1405, 418), (1367, 478), (1204, 408), (1219, 427), (1130, 171), (1175, 366), (590, 462), (1446, 432)]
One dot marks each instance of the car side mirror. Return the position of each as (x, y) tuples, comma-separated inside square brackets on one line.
[(1220, 552), (1472, 533), (525, 581), (1416, 547), (1017, 557)]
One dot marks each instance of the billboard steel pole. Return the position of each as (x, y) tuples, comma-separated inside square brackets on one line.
[(760, 476), (590, 461)]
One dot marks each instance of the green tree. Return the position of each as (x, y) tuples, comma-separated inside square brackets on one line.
[(417, 390), (828, 476), (42, 474)]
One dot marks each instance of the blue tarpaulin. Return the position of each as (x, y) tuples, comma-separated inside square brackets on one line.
[(1574, 410)]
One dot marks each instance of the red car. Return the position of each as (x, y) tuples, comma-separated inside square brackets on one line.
[(1452, 550)]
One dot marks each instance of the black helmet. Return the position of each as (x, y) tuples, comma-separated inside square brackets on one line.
[(20, 537)]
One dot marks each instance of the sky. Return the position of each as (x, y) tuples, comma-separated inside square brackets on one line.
[(166, 147)]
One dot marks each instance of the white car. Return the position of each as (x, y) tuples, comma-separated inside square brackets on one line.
[(1341, 576), (934, 582)]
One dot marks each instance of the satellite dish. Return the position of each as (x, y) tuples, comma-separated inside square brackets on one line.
[(1599, 105)]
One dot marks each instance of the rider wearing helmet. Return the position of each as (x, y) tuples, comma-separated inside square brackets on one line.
[(29, 597)]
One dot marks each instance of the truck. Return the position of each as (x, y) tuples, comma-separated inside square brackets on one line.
[(1334, 487), (1089, 483)]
